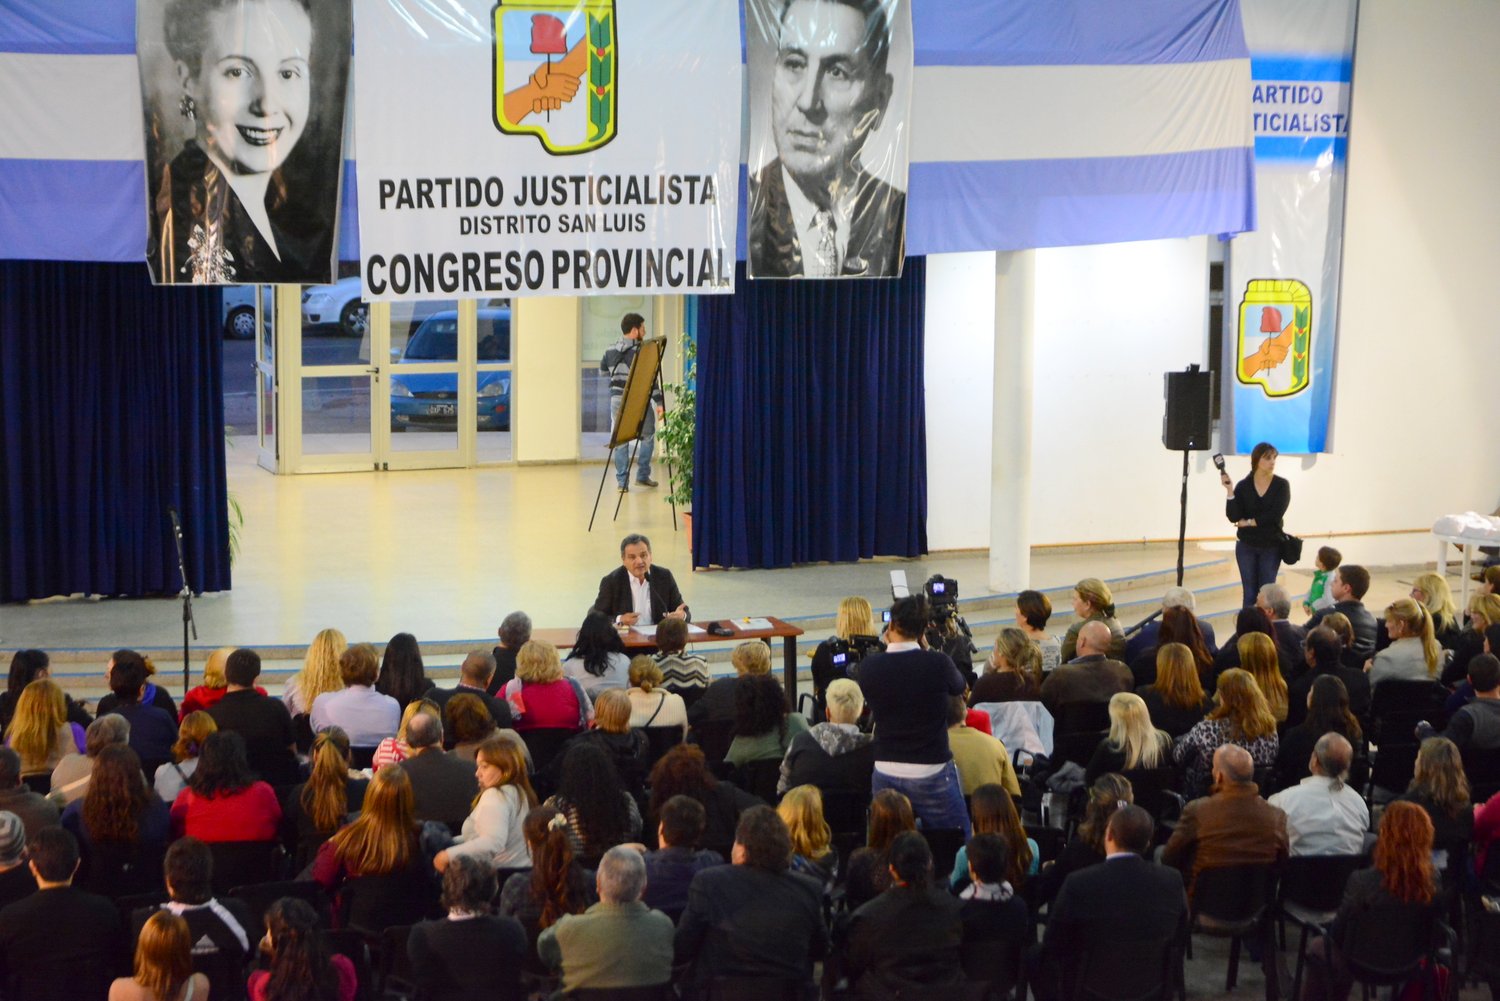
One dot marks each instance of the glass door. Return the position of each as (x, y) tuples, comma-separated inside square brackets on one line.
[(328, 422), (429, 353), (267, 455)]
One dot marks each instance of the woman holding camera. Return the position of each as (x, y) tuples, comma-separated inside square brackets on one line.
[(1256, 505)]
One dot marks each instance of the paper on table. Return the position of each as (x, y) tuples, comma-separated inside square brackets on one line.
[(651, 630), (749, 624)]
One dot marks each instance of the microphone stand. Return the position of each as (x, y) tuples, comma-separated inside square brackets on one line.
[(188, 623)]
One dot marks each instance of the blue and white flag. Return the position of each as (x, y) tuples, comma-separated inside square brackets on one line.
[(1283, 280), (1032, 125)]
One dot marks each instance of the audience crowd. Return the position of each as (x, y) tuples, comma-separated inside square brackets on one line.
[(592, 821)]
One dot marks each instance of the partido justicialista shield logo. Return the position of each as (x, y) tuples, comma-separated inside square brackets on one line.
[(555, 72)]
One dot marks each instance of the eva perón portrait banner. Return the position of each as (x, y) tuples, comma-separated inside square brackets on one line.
[(244, 117), (547, 147), (830, 88)]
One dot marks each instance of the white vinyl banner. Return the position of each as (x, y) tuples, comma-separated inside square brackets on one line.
[(547, 147)]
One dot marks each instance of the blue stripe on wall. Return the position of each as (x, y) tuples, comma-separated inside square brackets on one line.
[(1323, 69), (101, 27), (1307, 148), (982, 33), (104, 209)]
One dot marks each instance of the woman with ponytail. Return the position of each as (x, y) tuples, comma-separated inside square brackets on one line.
[(555, 886), (1092, 601), (1414, 653), (314, 810)]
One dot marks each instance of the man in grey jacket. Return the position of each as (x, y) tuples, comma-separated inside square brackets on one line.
[(616, 363)]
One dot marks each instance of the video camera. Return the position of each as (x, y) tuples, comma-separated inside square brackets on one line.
[(846, 653), (948, 632)]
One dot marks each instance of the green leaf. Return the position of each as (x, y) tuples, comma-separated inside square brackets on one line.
[(1301, 315)]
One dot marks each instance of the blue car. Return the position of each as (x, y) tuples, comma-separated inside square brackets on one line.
[(431, 401)]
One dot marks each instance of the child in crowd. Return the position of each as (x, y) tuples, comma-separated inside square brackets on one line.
[(1318, 597)]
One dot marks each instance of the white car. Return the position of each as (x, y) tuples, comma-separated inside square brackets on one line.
[(337, 304), (239, 312)]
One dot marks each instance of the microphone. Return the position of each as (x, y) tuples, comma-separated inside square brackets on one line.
[(176, 521)]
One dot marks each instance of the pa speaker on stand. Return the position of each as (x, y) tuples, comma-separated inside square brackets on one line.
[(1187, 426)]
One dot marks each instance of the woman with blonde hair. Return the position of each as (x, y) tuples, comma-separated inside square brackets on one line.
[(541, 696), (192, 733), (650, 704), (1240, 716), (163, 964), (1258, 655), (1013, 672), (493, 830), (801, 809), (1431, 591), (718, 702), (1132, 742), (208, 694), (312, 811), (1176, 700), (855, 618), (40, 732), (1093, 602), (1414, 654), (394, 750), (319, 674), (1483, 612)]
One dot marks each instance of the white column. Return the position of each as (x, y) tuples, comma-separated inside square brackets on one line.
[(1010, 457)]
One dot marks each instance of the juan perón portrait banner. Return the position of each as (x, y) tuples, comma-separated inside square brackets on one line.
[(547, 147), (830, 87), (244, 118), (1283, 278)]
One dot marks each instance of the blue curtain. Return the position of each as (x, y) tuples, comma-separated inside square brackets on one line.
[(111, 409), (811, 442)]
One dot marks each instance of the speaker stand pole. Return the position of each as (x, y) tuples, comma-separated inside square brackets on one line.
[(1182, 518)]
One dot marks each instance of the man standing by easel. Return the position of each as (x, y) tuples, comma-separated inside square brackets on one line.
[(616, 362)]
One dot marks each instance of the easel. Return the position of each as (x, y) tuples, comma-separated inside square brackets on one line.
[(634, 406)]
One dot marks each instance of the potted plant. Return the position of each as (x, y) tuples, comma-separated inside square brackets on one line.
[(677, 431)]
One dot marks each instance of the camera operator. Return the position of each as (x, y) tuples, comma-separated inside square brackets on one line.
[(854, 635), (948, 631)]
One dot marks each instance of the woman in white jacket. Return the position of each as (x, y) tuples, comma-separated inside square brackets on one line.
[(493, 829)]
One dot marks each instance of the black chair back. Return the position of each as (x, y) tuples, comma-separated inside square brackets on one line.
[(1108, 969), (1393, 703), (352, 945), (1232, 899), (1049, 841), (118, 869), (302, 733), (656, 992), (545, 744), (759, 778), (1149, 788), (1482, 767), (373, 903), (1386, 946), (995, 963), (258, 897), (1315, 883), (714, 737), (945, 843), (39, 784), (1077, 730), (660, 740), (238, 863), (847, 811), (755, 989), (362, 757), (394, 973)]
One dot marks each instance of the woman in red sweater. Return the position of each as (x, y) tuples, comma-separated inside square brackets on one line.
[(223, 800)]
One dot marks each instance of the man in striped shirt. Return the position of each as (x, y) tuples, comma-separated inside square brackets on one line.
[(616, 362)]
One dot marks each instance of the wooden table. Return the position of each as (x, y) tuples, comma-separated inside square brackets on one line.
[(564, 639)]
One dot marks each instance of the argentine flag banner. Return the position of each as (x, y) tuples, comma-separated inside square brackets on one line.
[(1283, 279)]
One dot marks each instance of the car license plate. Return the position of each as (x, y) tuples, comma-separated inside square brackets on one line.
[(442, 409)]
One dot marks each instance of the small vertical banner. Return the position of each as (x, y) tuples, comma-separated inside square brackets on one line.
[(1283, 278)]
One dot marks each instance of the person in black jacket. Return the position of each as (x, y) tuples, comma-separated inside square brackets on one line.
[(222, 931), (1125, 901), (638, 593), (1347, 587), (60, 941), (471, 953), (753, 918), (1323, 651), (264, 722), (514, 633), (907, 689), (1257, 504), (905, 942)]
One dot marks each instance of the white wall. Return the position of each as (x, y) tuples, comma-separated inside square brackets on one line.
[(1413, 392), (959, 362)]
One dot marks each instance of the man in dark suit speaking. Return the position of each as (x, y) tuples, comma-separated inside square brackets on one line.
[(637, 593), (814, 211)]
